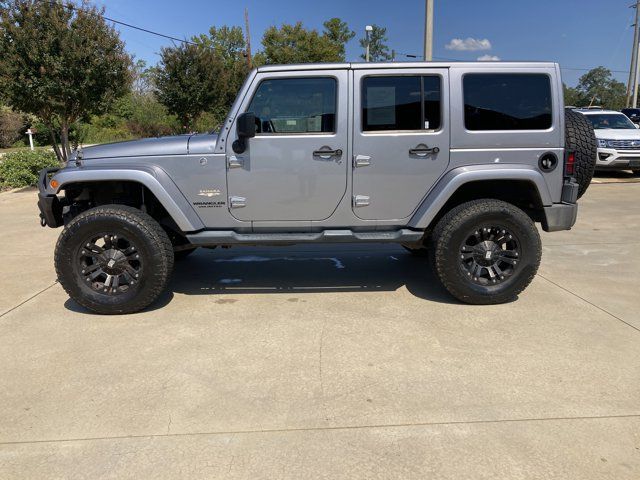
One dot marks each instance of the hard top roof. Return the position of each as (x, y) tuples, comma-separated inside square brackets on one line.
[(400, 65)]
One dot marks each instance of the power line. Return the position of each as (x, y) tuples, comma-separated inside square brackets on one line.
[(146, 30), (70, 6)]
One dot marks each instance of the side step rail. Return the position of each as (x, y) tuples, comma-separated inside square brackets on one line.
[(226, 237)]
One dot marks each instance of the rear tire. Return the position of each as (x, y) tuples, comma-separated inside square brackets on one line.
[(636, 173), (485, 251), (113, 259)]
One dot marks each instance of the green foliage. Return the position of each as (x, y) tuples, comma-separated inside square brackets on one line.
[(296, 44), (12, 127), (378, 50), (340, 34), (205, 77), (597, 87), (60, 63), (187, 79), (149, 118), (571, 96), (20, 169)]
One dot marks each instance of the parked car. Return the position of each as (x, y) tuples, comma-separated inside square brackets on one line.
[(633, 114), (458, 159), (618, 140)]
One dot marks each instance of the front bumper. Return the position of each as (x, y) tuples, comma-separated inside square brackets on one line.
[(612, 159), (49, 205)]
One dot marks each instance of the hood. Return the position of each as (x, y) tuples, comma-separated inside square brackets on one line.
[(617, 134), (175, 145)]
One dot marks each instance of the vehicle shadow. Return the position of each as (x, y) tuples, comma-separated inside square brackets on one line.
[(306, 269), (299, 269)]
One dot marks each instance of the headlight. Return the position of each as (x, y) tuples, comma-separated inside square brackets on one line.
[(602, 143)]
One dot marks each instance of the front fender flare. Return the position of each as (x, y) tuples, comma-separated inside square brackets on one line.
[(154, 178), (454, 179)]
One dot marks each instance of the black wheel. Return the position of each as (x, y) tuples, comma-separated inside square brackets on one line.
[(636, 173), (182, 254), (485, 251), (417, 252), (581, 139), (113, 259)]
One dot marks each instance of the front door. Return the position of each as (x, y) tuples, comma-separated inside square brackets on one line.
[(401, 139), (295, 168)]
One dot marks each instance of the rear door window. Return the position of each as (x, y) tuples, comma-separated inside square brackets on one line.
[(401, 103), (507, 101)]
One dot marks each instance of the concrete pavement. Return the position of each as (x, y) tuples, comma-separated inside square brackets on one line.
[(327, 362)]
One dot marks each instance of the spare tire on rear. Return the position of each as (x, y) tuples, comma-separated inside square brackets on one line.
[(581, 140)]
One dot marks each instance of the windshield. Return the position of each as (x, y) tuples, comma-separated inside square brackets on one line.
[(610, 120)]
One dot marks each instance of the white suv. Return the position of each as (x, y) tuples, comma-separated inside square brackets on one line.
[(618, 140)]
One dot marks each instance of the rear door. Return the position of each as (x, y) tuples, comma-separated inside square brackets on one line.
[(401, 139)]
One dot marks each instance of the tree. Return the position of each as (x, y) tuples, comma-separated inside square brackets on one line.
[(378, 50), (598, 87), (228, 44), (572, 97), (142, 78), (187, 80), (12, 126), (339, 33), (61, 63), (296, 44)]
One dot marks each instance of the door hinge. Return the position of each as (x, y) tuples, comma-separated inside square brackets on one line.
[(234, 162), (361, 161), (237, 202), (361, 201)]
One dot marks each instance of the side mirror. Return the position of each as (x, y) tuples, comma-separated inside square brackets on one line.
[(245, 128)]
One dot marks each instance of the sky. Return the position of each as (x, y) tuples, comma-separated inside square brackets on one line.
[(579, 34)]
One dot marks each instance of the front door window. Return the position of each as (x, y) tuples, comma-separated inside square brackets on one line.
[(295, 105)]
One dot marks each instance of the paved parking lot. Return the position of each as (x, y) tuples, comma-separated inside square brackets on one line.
[(328, 362)]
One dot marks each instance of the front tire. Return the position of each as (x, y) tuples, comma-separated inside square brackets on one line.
[(113, 259), (485, 251)]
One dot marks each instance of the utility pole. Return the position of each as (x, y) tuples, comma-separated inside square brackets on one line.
[(428, 30), (635, 81), (633, 77), (246, 26)]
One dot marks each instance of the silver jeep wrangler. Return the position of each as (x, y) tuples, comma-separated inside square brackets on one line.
[(458, 160)]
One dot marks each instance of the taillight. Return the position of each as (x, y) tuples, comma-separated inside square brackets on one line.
[(570, 164)]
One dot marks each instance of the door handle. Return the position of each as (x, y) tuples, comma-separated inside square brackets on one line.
[(234, 162), (327, 153), (422, 150)]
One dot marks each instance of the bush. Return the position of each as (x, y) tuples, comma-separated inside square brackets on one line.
[(12, 127), (20, 169)]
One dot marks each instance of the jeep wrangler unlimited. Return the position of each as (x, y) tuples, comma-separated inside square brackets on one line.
[(458, 160)]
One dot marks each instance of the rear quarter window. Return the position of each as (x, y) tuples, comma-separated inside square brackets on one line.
[(507, 101)]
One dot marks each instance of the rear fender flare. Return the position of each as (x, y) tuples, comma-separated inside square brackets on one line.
[(454, 179)]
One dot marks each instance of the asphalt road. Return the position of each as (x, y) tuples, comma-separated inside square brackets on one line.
[(328, 362)]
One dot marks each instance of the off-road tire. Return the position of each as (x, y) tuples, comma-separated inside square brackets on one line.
[(451, 232), (153, 247), (581, 139)]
